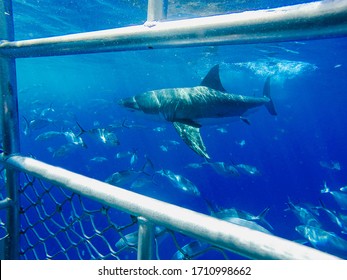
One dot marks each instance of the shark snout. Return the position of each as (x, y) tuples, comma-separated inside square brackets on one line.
[(129, 103)]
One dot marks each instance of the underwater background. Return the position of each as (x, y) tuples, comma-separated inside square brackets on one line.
[(297, 154)]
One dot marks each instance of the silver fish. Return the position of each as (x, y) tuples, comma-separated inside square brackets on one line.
[(179, 182), (191, 250), (98, 159), (131, 239), (223, 169), (74, 139), (333, 165), (231, 213), (48, 135), (248, 169), (124, 177), (336, 218), (249, 224), (339, 196), (305, 216), (324, 240)]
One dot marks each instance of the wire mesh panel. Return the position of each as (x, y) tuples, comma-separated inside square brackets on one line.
[(59, 224)]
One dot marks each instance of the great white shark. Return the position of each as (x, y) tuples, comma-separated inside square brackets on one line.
[(187, 107)]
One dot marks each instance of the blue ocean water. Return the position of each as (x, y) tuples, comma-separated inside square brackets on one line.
[(296, 152)]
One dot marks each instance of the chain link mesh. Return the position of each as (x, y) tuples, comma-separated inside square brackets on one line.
[(59, 224)]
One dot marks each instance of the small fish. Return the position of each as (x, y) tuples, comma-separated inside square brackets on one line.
[(128, 177), (74, 139), (131, 239), (123, 178), (305, 216), (222, 130), (248, 224), (164, 148), (133, 156), (63, 150), (48, 135), (46, 111), (324, 240), (194, 165), (159, 129), (179, 182), (336, 218), (339, 196), (123, 154), (223, 169), (332, 165), (37, 124), (230, 213), (101, 134), (128, 240), (141, 182), (191, 250), (26, 128), (248, 169), (108, 137), (241, 143), (98, 159)]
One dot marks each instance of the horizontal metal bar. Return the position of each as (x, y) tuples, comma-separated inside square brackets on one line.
[(244, 241), (314, 20)]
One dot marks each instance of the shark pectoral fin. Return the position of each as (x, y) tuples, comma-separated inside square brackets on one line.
[(191, 136)]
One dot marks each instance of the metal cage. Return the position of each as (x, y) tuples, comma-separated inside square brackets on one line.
[(36, 197)]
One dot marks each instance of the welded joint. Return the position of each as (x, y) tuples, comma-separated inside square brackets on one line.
[(156, 12)]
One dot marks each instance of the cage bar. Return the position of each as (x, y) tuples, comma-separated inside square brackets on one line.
[(314, 20), (146, 241), (250, 243), (157, 11), (10, 131)]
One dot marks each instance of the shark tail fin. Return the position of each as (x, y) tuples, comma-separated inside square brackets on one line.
[(266, 93)]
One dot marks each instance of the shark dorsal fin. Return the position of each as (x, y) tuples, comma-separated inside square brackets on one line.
[(212, 79)]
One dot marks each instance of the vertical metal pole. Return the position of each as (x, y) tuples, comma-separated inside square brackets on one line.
[(146, 242), (10, 130), (157, 10)]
